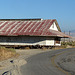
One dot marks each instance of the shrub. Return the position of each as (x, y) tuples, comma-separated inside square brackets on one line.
[(72, 43)]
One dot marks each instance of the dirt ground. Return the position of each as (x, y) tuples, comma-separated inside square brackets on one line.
[(27, 53), (7, 67)]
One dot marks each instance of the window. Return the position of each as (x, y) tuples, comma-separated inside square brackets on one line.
[(57, 40)]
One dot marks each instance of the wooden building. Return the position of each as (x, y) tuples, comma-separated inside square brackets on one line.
[(30, 32)]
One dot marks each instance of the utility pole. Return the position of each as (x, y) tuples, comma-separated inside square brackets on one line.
[(69, 35), (64, 37)]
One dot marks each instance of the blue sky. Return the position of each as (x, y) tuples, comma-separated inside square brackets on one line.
[(62, 10)]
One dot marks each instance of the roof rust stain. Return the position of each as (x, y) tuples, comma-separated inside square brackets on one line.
[(32, 27)]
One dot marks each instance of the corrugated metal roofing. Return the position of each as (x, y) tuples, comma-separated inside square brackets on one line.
[(25, 27)]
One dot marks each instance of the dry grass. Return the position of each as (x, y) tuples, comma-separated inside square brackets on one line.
[(7, 53)]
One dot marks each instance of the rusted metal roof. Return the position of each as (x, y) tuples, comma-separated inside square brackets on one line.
[(59, 34), (28, 27)]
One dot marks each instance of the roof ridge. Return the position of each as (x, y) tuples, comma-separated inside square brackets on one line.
[(33, 19)]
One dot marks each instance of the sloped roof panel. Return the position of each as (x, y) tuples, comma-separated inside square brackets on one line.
[(25, 27)]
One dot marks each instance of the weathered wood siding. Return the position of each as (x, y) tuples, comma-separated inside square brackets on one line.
[(22, 40), (26, 40)]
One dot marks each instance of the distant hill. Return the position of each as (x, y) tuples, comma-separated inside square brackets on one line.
[(73, 36), (72, 33)]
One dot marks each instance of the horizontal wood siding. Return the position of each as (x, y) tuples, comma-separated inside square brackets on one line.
[(28, 40), (22, 40)]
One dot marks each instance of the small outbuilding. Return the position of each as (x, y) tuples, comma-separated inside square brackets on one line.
[(30, 32)]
